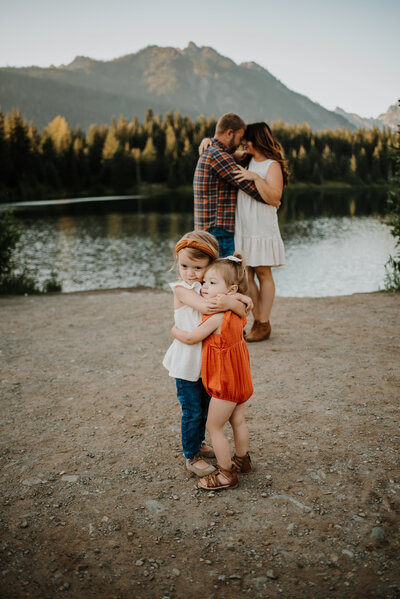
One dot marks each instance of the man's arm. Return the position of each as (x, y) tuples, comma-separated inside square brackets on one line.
[(270, 188), (226, 168)]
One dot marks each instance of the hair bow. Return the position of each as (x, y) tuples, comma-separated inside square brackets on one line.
[(233, 258)]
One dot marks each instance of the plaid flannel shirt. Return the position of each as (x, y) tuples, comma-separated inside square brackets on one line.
[(215, 189)]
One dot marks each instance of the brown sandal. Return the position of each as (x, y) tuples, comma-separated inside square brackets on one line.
[(211, 482), (242, 463)]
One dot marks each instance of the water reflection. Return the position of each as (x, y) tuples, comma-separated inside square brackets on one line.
[(301, 204), (326, 254)]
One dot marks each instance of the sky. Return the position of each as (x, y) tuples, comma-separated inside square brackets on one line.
[(338, 53)]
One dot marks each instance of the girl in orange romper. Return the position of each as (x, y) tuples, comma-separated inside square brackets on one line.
[(225, 372)]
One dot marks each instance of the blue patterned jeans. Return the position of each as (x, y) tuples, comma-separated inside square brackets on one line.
[(194, 401), (226, 241)]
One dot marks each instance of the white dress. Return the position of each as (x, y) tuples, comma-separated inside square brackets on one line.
[(181, 360), (257, 235)]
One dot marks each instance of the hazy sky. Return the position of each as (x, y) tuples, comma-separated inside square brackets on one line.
[(338, 53)]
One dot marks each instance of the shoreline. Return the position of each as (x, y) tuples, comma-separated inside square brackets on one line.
[(154, 190), (143, 288)]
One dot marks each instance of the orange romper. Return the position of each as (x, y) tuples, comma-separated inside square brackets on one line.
[(225, 366)]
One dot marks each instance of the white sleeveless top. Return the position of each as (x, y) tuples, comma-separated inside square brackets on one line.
[(181, 360), (257, 234)]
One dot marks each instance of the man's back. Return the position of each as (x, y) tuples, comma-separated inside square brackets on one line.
[(215, 189)]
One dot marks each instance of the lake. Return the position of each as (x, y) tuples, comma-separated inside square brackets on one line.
[(336, 242)]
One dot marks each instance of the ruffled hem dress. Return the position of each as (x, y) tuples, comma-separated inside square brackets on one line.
[(181, 360), (257, 234), (225, 367)]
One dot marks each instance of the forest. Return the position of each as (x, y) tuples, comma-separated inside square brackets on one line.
[(61, 161)]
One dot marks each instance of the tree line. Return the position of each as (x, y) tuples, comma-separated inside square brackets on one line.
[(117, 158)]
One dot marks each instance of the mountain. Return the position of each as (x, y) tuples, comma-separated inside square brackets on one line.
[(391, 118), (42, 99), (196, 80)]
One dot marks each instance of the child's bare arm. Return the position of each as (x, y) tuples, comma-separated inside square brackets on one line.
[(205, 329), (189, 297)]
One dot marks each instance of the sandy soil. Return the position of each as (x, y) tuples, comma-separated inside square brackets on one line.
[(96, 501)]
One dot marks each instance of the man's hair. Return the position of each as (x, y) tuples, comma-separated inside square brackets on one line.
[(230, 120)]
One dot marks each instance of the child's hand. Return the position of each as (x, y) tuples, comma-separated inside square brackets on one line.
[(248, 303), (174, 331), (219, 303)]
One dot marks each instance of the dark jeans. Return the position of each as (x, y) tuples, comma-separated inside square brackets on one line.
[(194, 401), (226, 241)]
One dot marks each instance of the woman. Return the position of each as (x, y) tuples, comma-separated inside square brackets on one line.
[(257, 234)]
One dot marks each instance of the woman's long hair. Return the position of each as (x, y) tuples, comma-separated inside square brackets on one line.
[(264, 141)]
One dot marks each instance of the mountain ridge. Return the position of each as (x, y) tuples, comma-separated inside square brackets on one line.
[(195, 80), (390, 118)]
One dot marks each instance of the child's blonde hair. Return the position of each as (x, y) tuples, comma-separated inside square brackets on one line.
[(233, 271), (199, 244)]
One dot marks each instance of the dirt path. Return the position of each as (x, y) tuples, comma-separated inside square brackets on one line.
[(96, 501)]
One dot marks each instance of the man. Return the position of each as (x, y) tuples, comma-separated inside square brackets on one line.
[(214, 186)]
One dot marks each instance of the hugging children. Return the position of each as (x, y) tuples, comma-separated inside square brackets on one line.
[(215, 315)]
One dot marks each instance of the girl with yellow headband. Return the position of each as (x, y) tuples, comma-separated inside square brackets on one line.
[(194, 253)]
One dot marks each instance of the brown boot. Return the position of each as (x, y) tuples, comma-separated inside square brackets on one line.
[(253, 328), (242, 463), (262, 331)]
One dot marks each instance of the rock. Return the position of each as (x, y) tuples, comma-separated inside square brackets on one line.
[(70, 478), (24, 524), (377, 533), (29, 482), (155, 506), (260, 581), (304, 507), (176, 572), (272, 575), (348, 553), (139, 562)]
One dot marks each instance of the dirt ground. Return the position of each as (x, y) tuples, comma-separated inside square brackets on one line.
[(96, 501)]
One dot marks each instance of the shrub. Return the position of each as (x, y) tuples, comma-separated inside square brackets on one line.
[(392, 280), (15, 278)]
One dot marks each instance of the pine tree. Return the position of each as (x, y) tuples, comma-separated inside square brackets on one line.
[(60, 133), (111, 144)]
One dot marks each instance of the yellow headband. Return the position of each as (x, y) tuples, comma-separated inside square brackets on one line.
[(198, 245)]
